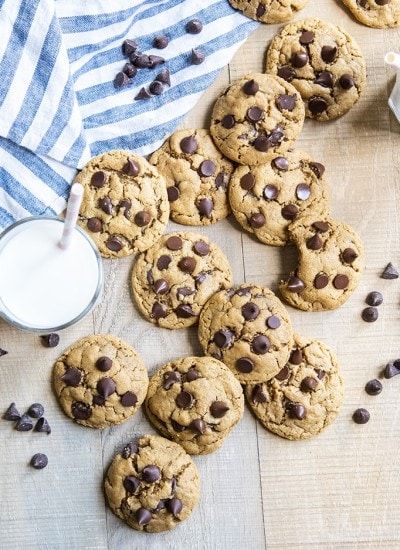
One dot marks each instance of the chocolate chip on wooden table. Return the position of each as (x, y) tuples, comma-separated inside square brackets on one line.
[(374, 298), (50, 340), (361, 416), (12, 413), (24, 424), (392, 369), (36, 410), (42, 425), (39, 461), (370, 314), (373, 387), (390, 272)]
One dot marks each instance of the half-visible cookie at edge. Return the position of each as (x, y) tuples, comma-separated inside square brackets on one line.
[(269, 11), (375, 13)]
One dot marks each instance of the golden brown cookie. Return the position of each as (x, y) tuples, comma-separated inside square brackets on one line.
[(152, 485), (304, 397), (100, 381), (375, 13), (125, 206), (266, 198), (256, 117), (249, 329), (269, 11), (323, 62), (330, 265), (196, 401), (197, 176), (174, 278)]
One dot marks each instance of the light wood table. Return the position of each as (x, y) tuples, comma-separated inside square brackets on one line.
[(338, 490)]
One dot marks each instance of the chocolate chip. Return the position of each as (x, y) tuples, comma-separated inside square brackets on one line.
[(244, 291), (296, 410), (201, 277), (42, 426), (309, 384), (24, 424), (317, 105), (184, 400), (320, 373), (128, 47), (12, 413), (198, 425), (39, 461), (129, 399), (220, 180), (346, 81), (121, 79), (250, 311), (314, 242), (373, 387), (286, 102), (154, 61), (294, 284), (287, 73), (328, 53), (194, 26), (254, 114), (50, 340), (369, 314), (299, 59), (281, 163), (174, 506), (164, 77), (72, 377), (290, 211), (223, 338), (3, 352), (192, 374), (321, 281), (340, 282), (361, 416), (349, 255), (391, 370), (160, 42), (374, 298), (106, 387), (262, 144), (106, 205), (260, 11), (247, 181), (36, 410), (205, 207), (81, 410), (306, 37), (270, 192), (151, 473), (390, 272), (163, 262), (207, 168), (156, 87), (177, 427), (251, 87), (228, 122), (187, 264), (197, 57), (161, 286), (130, 70), (258, 395), (114, 244), (276, 135), (324, 79), (141, 61), (174, 243), (130, 449), (99, 179), (95, 225), (317, 168), (320, 226), (296, 357), (261, 344), (218, 409), (104, 364), (283, 374), (143, 516), (142, 94), (142, 218), (170, 378), (244, 364), (184, 311), (303, 191), (257, 220), (273, 322), (99, 400), (382, 2), (201, 248), (131, 483)]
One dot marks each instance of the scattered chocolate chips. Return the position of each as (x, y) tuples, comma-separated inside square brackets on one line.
[(197, 57), (173, 193), (143, 516), (320, 226), (390, 272), (373, 387), (106, 205), (192, 374), (156, 87), (184, 400), (160, 42), (177, 427), (174, 506), (391, 369), (50, 340), (99, 179), (250, 311), (131, 483), (251, 87), (294, 284), (129, 399), (257, 220), (361, 416), (131, 168), (151, 473), (11, 413), (247, 181), (155, 60), (174, 243), (244, 364), (370, 314), (121, 79), (142, 94), (261, 344), (39, 461), (258, 395), (24, 424), (42, 425), (130, 70), (130, 449), (161, 286), (218, 409), (170, 378), (317, 105), (374, 298), (194, 26), (260, 10), (324, 79), (280, 163), (164, 77), (223, 338), (36, 410), (81, 410), (317, 168), (128, 47), (104, 364), (254, 114), (72, 377), (163, 262)]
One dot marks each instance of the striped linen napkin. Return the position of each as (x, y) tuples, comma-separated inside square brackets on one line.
[(58, 102)]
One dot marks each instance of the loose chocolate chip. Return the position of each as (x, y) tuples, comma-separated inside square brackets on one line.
[(340, 282), (247, 181), (3, 352), (309, 384), (39, 461), (184, 311), (207, 168), (328, 53), (303, 191), (324, 79), (72, 377), (270, 192), (281, 163), (177, 427), (251, 87), (12, 413), (244, 364), (258, 395), (218, 409), (129, 399), (197, 57), (369, 314), (273, 322), (130, 70), (260, 11), (205, 207), (42, 426), (99, 179), (374, 298), (287, 73), (250, 311), (198, 425), (223, 338), (174, 243), (290, 211), (24, 424), (391, 369), (142, 218), (257, 220), (156, 87), (314, 242), (294, 284), (141, 61), (187, 264), (142, 94), (192, 374), (154, 61), (131, 483), (163, 262), (317, 105), (161, 286), (106, 205), (296, 357), (299, 59), (346, 81), (173, 193), (95, 225), (160, 42), (170, 378), (228, 122), (106, 387), (143, 516), (390, 272), (114, 244), (286, 102), (128, 47), (164, 77), (373, 387), (261, 344), (317, 168), (50, 340), (322, 227), (121, 79), (184, 400), (201, 248), (151, 473), (194, 26), (130, 449), (81, 410), (254, 114), (36, 410), (296, 410), (104, 364), (349, 255), (306, 37), (361, 416), (321, 281), (174, 506), (283, 374)]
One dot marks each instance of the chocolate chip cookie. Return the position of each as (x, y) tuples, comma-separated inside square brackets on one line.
[(174, 278), (256, 117), (269, 11), (249, 329), (375, 13), (323, 62), (152, 485), (125, 206), (266, 198), (196, 401), (330, 265), (100, 381), (304, 397), (197, 176)]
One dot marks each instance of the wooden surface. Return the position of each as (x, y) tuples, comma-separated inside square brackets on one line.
[(338, 490)]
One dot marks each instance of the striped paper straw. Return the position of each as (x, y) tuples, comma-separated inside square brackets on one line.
[(74, 203)]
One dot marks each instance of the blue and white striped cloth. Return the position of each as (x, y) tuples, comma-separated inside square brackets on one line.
[(58, 103)]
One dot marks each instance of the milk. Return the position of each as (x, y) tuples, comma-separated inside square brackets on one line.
[(42, 287)]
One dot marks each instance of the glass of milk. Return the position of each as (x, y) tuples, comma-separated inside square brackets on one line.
[(44, 288)]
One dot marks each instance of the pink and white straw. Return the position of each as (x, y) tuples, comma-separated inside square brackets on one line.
[(71, 216)]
